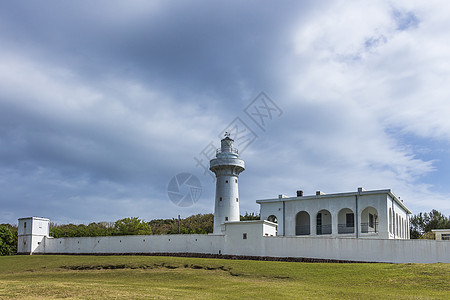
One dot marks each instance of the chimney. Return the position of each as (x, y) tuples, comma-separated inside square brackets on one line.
[(299, 193)]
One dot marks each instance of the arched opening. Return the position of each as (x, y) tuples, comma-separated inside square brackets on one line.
[(369, 220), (323, 222), (403, 228), (272, 218), (396, 225), (302, 223), (346, 221), (391, 229)]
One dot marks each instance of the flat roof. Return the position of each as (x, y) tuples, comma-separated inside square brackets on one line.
[(35, 218), (248, 222), (337, 195), (441, 230)]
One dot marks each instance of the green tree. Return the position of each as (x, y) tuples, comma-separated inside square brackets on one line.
[(198, 224), (8, 239), (250, 217), (132, 226), (422, 224), (163, 226)]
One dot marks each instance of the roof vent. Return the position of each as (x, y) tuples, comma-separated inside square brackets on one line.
[(360, 190), (281, 196), (299, 193), (319, 193)]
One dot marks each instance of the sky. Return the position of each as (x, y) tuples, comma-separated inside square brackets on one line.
[(103, 103)]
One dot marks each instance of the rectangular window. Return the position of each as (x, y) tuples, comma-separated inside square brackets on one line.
[(226, 218), (244, 236), (24, 224), (350, 220), (445, 237), (235, 180), (220, 199), (237, 200), (371, 221)]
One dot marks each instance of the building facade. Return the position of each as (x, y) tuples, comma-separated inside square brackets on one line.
[(378, 214)]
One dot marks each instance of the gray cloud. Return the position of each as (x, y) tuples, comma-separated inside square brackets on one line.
[(100, 105)]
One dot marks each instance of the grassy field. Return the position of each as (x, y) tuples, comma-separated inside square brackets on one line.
[(93, 277)]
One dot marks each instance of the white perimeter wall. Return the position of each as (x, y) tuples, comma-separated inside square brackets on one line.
[(393, 251), (371, 250), (183, 243)]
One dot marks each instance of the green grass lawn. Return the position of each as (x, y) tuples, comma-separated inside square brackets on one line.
[(137, 277)]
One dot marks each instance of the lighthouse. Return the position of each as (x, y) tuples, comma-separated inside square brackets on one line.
[(227, 166)]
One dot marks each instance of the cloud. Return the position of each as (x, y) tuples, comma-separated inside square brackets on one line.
[(101, 106)]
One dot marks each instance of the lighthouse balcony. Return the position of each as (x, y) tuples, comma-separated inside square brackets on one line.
[(225, 162)]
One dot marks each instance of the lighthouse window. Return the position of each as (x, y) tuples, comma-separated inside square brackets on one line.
[(226, 218), (237, 200), (235, 180), (220, 199), (226, 181)]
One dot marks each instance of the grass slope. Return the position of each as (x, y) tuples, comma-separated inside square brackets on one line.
[(93, 277)]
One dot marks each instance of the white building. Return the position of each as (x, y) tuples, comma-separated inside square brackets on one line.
[(442, 234), (361, 214), (357, 226), (31, 233)]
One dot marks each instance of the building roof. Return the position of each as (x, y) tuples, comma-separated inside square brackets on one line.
[(283, 198), (441, 230), (34, 218)]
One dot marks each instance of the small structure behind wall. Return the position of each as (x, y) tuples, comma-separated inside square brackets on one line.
[(442, 234)]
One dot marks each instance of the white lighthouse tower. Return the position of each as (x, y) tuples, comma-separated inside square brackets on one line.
[(227, 166)]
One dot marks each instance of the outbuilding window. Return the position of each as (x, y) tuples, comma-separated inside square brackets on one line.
[(244, 236), (226, 218)]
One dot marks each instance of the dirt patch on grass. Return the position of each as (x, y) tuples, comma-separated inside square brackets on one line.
[(146, 266)]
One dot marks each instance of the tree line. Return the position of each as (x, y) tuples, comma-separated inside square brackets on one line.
[(8, 239), (422, 224)]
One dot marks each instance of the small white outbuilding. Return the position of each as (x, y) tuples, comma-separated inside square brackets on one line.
[(442, 234)]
